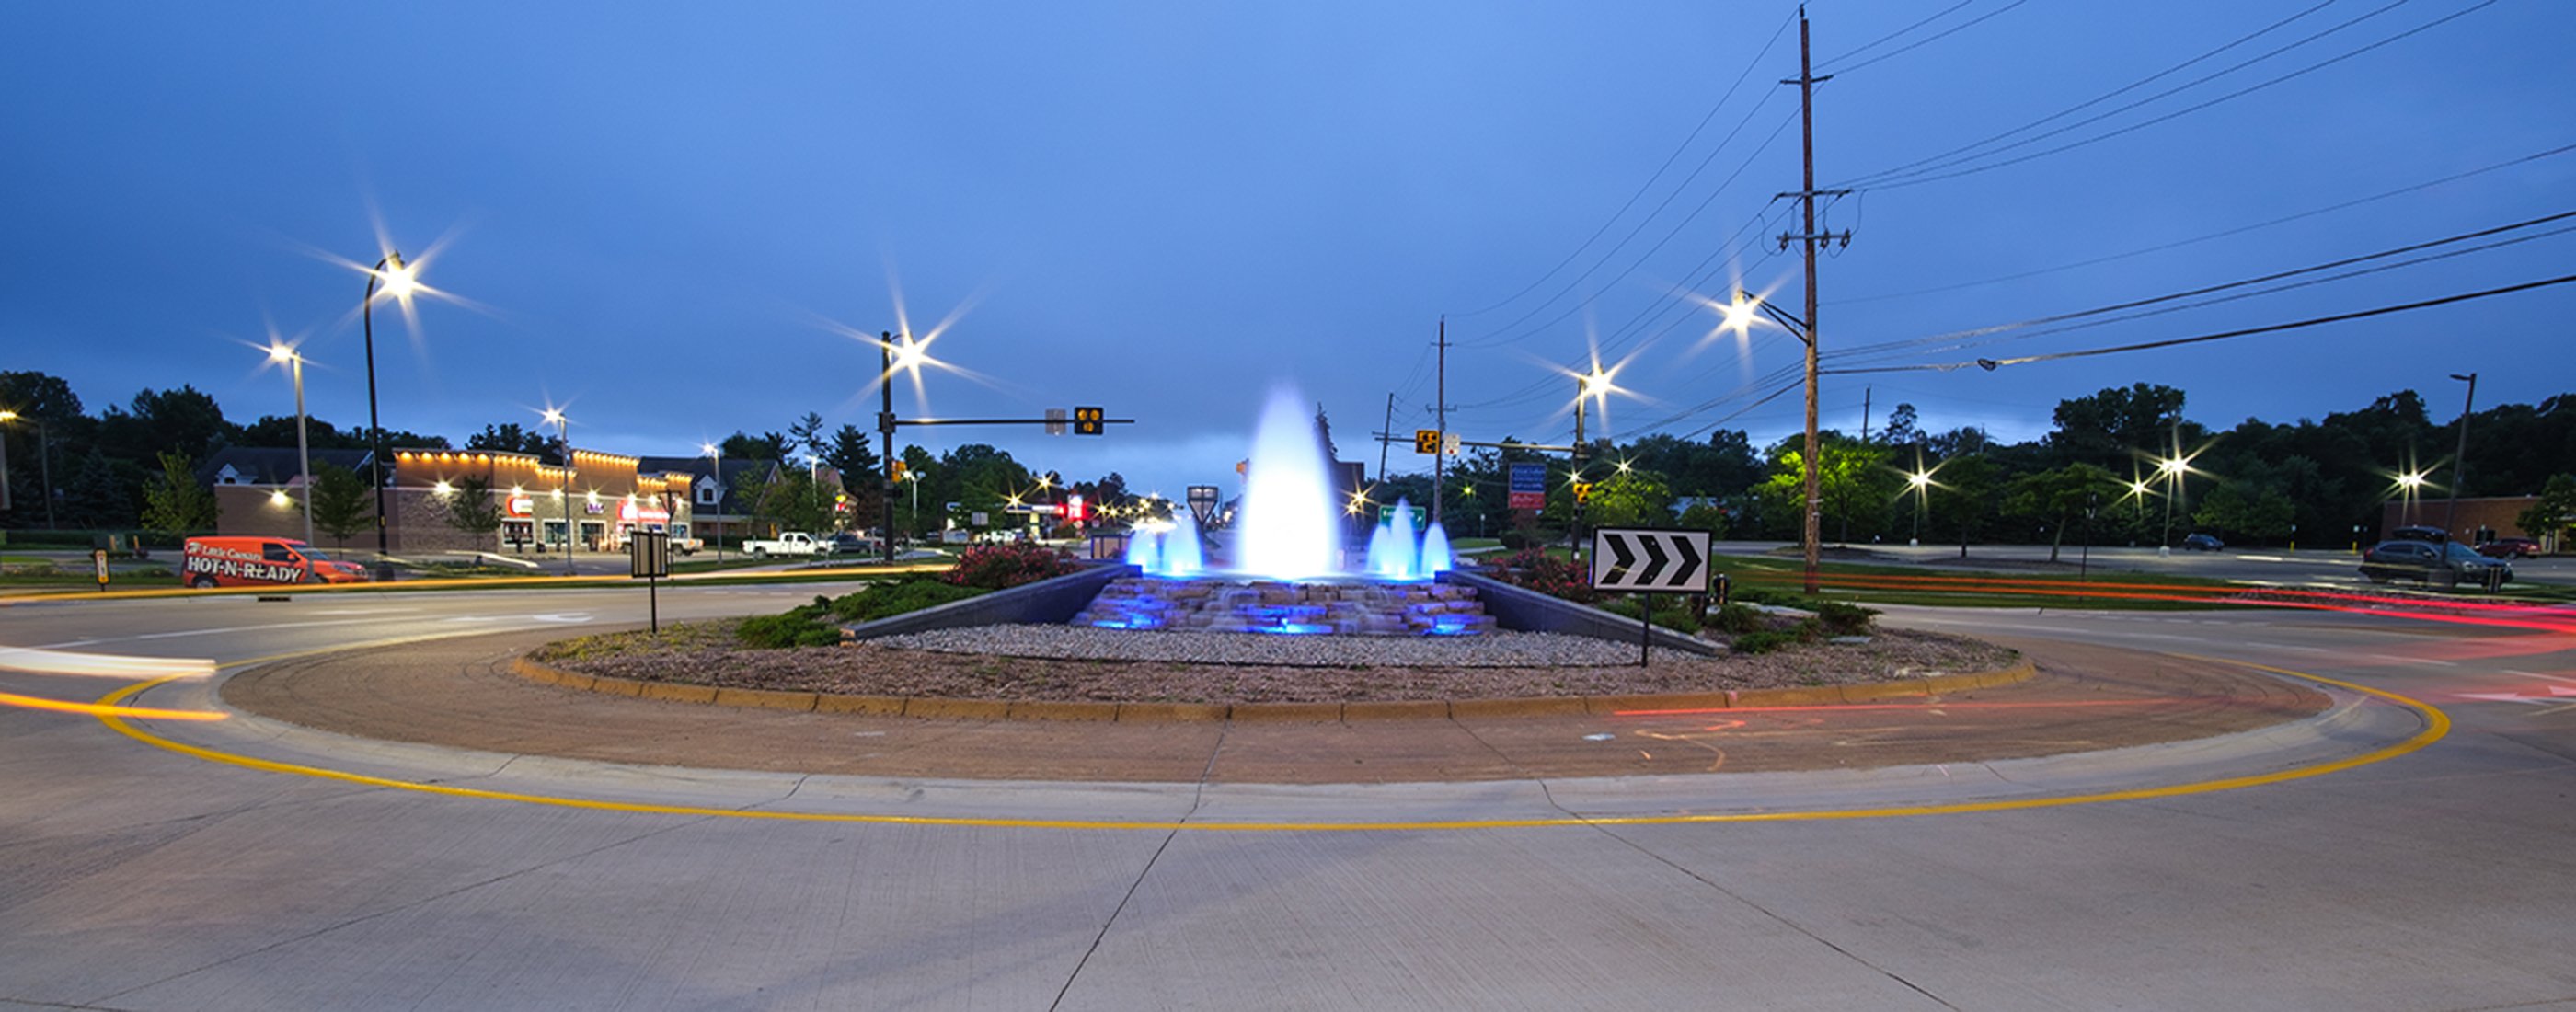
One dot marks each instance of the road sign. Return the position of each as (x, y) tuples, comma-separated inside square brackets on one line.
[(1055, 421), (1089, 421), (1202, 500), (1418, 517), (648, 554), (1449, 445), (1529, 486), (1649, 559), (1426, 440)]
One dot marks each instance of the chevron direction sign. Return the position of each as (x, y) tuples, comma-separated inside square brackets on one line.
[(1650, 560)]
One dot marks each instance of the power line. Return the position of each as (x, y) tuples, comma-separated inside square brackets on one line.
[(1932, 175), (2132, 86), (1649, 184), (1892, 346), (1990, 364), (1835, 66), (2177, 244)]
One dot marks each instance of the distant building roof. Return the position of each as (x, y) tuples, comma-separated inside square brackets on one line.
[(265, 465)]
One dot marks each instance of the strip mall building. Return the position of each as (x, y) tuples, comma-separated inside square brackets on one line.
[(592, 504)]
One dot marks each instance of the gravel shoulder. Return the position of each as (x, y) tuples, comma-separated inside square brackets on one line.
[(1069, 664)]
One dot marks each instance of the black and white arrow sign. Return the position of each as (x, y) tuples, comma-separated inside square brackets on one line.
[(1646, 559)]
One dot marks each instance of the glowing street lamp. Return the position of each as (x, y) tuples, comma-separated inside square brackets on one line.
[(2413, 483), (399, 285), (303, 446), (1921, 483)]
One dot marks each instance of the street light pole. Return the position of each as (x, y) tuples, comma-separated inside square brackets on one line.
[(303, 446), (718, 453), (2460, 460), (563, 486), (44, 460), (885, 428), (398, 283)]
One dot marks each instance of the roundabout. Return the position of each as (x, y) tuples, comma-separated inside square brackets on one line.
[(431, 829)]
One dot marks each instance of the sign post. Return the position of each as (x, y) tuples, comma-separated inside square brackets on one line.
[(648, 554), (98, 557), (1644, 560)]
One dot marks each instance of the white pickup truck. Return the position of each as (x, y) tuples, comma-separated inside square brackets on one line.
[(789, 543)]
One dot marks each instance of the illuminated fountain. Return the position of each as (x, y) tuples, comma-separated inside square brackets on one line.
[(1283, 576)]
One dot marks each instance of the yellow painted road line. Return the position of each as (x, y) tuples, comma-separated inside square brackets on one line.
[(2436, 725)]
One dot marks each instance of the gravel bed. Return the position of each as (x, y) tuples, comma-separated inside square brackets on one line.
[(1491, 650), (706, 654)]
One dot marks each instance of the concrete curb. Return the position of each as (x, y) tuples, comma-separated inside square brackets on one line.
[(1313, 713)]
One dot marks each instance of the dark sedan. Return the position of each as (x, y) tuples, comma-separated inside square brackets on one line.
[(2202, 543), (2446, 564)]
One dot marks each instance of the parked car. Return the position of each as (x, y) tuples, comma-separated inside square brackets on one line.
[(846, 543), (2444, 564), (2202, 543), (789, 543), (2509, 548)]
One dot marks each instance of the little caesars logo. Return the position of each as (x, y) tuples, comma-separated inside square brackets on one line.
[(240, 566)]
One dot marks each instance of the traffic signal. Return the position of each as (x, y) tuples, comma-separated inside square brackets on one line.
[(1087, 421), (1426, 441), (897, 470), (1582, 492)]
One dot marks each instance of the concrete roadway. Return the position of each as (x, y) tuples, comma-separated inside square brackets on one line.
[(140, 876)]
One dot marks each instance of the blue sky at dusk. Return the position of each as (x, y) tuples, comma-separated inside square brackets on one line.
[(668, 219)]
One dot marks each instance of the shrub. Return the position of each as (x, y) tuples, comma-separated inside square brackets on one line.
[(1678, 617), (1844, 619), (1766, 641), (993, 567), (887, 599), (1551, 575), (802, 626), (1738, 620)]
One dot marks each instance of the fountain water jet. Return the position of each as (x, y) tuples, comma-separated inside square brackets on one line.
[(1284, 577), (1287, 528)]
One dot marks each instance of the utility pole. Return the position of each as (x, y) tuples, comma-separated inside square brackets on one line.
[(1440, 460), (1807, 194)]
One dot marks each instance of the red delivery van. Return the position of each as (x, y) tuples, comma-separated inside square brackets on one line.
[(262, 562)]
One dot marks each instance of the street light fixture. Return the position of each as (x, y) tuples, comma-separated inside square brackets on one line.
[(2411, 482), (303, 445), (1921, 481), (399, 284)]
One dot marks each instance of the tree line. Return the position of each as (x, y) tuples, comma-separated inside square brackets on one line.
[(2100, 474)]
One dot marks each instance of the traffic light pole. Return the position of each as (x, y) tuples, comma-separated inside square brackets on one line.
[(1087, 421)]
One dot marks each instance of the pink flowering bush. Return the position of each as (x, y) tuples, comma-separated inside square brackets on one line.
[(993, 567)]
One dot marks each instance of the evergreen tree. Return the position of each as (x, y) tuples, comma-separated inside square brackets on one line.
[(175, 505), (340, 502)]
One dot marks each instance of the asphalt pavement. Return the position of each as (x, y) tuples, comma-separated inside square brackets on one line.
[(2404, 847)]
